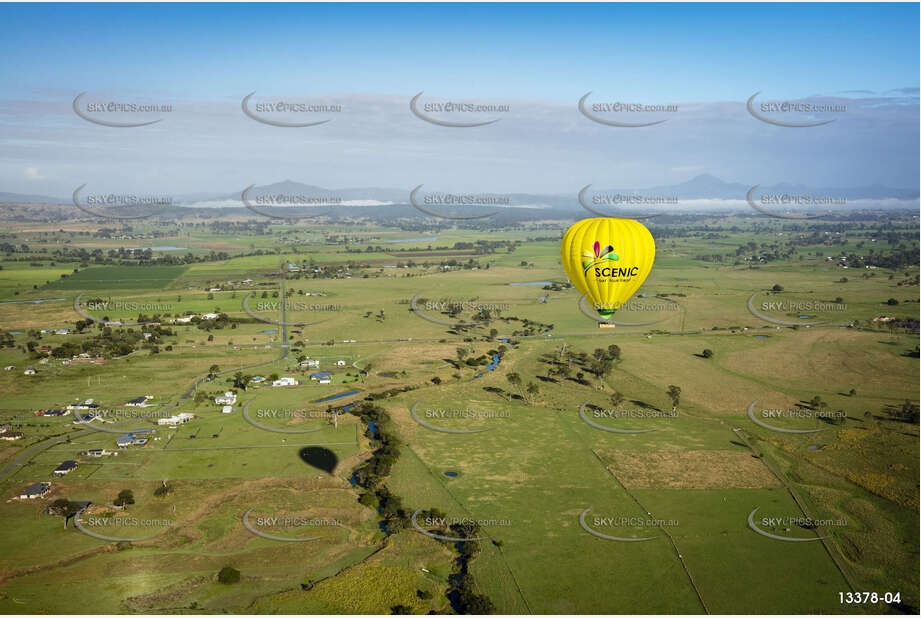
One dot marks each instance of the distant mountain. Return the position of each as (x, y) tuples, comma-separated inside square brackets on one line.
[(292, 188), (709, 187), (702, 187)]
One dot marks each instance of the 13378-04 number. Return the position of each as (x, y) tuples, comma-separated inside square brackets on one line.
[(860, 598)]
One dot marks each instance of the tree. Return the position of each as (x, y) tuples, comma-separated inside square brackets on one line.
[(532, 390), (228, 575), (674, 393), (436, 380), (240, 380), (64, 508), (401, 610), (777, 288), (707, 353), (515, 380), (602, 368), (614, 352), (125, 497), (617, 398), (477, 604)]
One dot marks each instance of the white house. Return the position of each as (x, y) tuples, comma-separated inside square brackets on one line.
[(226, 409), (29, 372), (311, 362), (285, 382), (139, 402), (184, 320), (227, 399), (182, 417), (340, 363), (209, 316)]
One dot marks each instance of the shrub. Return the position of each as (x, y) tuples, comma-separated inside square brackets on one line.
[(228, 575)]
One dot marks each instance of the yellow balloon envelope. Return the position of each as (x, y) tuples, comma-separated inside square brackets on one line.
[(607, 260)]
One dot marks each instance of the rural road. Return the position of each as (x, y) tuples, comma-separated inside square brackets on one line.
[(26, 454)]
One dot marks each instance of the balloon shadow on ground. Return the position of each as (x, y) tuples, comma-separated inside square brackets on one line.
[(319, 457)]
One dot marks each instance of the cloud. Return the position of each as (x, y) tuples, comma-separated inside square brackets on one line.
[(536, 147), (32, 173)]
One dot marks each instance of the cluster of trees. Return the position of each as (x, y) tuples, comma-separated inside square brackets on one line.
[(532, 389), (107, 344), (461, 586), (529, 327), (372, 476), (907, 412), (600, 364)]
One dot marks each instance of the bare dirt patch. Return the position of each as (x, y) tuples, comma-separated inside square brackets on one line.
[(689, 470)]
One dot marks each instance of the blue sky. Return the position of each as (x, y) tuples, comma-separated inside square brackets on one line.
[(684, 52), (541, 58)]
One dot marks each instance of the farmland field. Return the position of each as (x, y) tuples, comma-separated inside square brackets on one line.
[(554, 467)]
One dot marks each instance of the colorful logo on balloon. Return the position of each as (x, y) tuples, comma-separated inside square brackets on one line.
[(597, 255)]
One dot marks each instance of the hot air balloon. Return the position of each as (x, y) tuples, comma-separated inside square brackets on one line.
[(607, 260)]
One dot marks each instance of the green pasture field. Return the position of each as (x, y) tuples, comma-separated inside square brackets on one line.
[(701, 469)]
